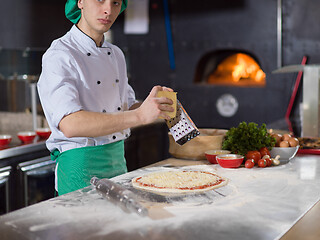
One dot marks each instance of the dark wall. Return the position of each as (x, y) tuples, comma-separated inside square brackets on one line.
[(301, 31), (31, 23)]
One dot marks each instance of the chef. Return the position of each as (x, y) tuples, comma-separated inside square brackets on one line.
[(86, 98)]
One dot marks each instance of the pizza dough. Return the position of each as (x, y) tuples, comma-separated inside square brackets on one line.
[(179, 182)]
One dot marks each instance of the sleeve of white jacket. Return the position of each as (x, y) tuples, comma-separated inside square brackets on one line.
[(57, 86)]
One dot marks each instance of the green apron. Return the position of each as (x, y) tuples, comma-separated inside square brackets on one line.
[(77, 166)]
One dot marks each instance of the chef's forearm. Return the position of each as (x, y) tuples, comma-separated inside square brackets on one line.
[(93, 124)]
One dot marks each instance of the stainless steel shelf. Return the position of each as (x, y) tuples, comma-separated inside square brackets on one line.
[(22, 149)]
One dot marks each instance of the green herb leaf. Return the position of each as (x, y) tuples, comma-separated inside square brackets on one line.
[(247, 137)]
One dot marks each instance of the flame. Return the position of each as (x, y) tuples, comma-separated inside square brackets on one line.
[(238, 69)]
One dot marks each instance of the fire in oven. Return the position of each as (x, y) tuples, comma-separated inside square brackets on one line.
[(230, 68), (228, 73)]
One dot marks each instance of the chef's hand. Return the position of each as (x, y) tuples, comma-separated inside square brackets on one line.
[(153, 107)]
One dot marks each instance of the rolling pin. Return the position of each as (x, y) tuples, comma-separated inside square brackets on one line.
[(119, 195)]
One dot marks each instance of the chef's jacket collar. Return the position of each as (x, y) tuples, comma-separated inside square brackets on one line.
[(84, 39)]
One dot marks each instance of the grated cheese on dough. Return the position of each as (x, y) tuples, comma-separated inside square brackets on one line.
[(179, 181)]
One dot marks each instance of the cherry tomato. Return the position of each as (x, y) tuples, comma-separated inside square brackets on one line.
[(255, 155), (262, 163), (249, 163), (264, 151), (268, 159), (269, 162)]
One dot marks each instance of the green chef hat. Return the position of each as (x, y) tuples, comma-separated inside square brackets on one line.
[(73, 13)]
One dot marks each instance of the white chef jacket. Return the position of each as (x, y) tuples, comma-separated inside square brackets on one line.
[(78, 75)]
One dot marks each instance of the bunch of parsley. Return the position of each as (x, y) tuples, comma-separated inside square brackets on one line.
[(247, 137)]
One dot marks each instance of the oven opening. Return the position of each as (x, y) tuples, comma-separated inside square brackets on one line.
[(230, 68)]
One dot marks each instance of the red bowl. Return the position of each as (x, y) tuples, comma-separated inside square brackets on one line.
[(5, 139), (26, 137), (211, 155), (230, 160), (43, 132)]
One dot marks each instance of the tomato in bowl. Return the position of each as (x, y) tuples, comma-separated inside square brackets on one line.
[(230, 160)]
